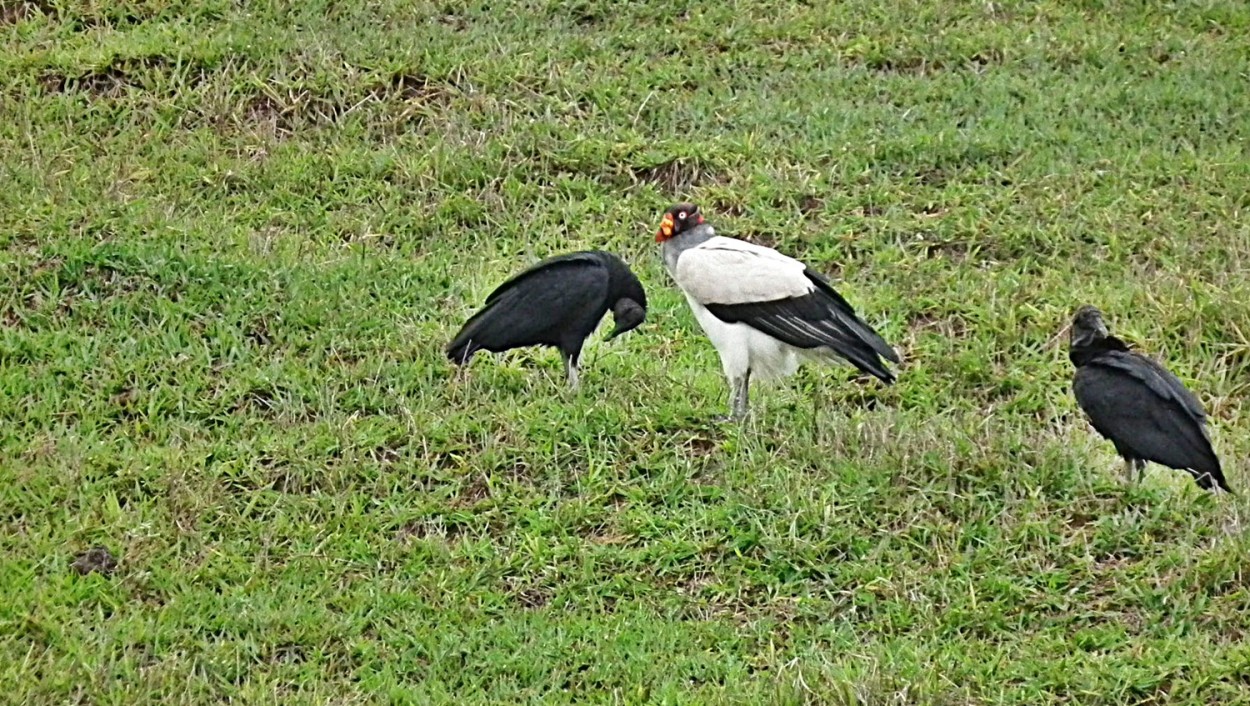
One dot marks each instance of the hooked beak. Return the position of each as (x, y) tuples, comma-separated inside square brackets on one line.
[(666, 228)]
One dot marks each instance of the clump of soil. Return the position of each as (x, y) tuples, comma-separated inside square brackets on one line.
[(98, 559)]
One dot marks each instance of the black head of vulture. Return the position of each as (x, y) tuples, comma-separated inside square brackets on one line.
[(557, 302), (1138, 405)]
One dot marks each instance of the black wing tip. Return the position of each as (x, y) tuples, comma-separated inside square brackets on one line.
[(867, 353), (1211, 479), (462, 348), (871, 367), (877, 343), (886, 376), (1206, 482), (880, 349)]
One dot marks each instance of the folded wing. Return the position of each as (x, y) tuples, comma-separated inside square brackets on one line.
[(1145, 410), (557, 302), (739, 282)]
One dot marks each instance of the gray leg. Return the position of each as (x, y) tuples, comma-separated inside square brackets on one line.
[(1129, 466), (741, 397), (570, 369)]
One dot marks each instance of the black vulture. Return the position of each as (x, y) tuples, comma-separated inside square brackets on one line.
[(1138, 405), (557, 302), (765, 313)]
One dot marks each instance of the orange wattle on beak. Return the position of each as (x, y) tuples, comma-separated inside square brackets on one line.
[(666, 228)]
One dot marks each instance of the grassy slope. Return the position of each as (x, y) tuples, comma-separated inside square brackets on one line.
[(234, 242)]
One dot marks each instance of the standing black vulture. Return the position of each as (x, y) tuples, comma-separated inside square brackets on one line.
[(765, 312), (557, 303), (1138, 405)]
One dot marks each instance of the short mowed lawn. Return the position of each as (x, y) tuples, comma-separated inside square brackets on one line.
[(234, 238)]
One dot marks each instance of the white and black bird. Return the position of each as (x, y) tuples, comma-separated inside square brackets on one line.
[(557, 302), (765, 313), (1138, 405)]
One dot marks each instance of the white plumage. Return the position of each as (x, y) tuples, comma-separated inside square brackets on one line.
[(731, 271), (744, 349)]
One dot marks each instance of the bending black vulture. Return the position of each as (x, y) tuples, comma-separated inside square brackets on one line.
[(1138, 405), (765, 312), (557, 303)]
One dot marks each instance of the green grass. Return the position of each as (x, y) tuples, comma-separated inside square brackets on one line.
[(234, 242)]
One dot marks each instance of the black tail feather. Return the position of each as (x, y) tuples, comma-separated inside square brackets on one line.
[(461, 352), (470, 339), (858, 344), (1209, 480), (863, 355)]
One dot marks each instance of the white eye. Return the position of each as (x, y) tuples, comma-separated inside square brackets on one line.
[(681, 216)]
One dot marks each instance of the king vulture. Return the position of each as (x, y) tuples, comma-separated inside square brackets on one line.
[(765, 312)]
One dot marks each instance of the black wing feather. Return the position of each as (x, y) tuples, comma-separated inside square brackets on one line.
[(878, 343), (821, 318)]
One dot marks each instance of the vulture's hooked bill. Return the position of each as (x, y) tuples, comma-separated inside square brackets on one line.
[(557, 302), (1138, 405), (764, 312)]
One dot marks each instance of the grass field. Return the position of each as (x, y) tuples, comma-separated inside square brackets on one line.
[(234, 238)]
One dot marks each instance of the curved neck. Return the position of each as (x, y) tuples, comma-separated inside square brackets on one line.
[(1082, 352), (674, 246)]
